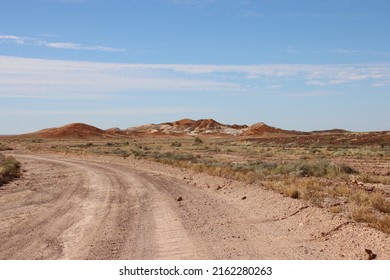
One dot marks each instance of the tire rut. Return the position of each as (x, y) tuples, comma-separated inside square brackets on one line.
[(105, 213)]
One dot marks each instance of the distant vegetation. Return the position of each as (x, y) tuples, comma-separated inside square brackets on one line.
[(9, 169)]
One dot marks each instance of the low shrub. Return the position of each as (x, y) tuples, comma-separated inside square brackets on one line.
[(4, 147), (380, 203), (383, 224), (314, 168), (364, 215), (9, 169)]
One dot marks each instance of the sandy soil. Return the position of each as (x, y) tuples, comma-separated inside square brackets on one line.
[(105, 208)]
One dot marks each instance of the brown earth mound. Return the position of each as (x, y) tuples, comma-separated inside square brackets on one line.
[(116, 131), (74, 130), (239, 126), (195, 125), (206, 124), (183, 123), (261, 129), (203, 124)]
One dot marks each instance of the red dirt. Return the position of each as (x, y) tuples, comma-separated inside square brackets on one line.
[(261, 128), (196, 125), (74, 130), (183, 122)]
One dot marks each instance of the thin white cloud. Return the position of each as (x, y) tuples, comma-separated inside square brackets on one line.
[(274, 86), (197, 3), (309, 73), (49, 35), (344, 51), (361, 52), (75, 46), (309, 93), (334, 16), (56, 79), (104, 112), (66, 1), (57, 45), (381, 83), (63, 45), (12, 39), (316, 83), (293, 50)]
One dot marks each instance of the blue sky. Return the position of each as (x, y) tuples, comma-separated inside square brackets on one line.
[(294, 64)]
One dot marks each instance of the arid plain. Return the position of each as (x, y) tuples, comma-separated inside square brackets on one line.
[(195, 190)]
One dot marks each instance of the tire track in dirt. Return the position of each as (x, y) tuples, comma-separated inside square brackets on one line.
[(104, 213), (161, 234)]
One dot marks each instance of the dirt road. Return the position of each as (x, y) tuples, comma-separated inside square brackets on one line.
[(64, 208)]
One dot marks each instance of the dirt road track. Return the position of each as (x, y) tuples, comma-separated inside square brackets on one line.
[(66, 208)]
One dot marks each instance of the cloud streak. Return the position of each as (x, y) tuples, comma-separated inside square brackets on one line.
[(125, 112), (75, 46), (13, 39), (58, 79)]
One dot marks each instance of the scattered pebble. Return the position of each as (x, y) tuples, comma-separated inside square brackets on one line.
[(371, 255)]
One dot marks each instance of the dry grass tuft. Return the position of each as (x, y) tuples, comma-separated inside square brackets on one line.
[(315, 168), (9, 169), (295, 194), (380, 203), (363, 215), (366, 214), (4, 147), (384, 224)]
